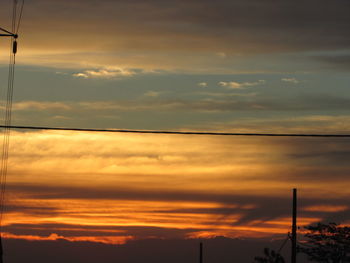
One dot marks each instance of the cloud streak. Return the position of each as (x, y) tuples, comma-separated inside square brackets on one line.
[(290, 80), (216, 102), (237, 85), (105, 73)]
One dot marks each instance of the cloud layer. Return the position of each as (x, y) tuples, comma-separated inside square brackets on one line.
[(113, 188), (168, 34)]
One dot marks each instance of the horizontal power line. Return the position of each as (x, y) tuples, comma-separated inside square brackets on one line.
[(177, 132)]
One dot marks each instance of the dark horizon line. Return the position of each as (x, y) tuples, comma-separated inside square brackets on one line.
[(174, 132)]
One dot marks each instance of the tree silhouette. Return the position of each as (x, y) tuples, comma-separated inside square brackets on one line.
[(327, 243), (270, 256)]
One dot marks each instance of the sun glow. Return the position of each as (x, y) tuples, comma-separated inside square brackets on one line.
[(114, 188)]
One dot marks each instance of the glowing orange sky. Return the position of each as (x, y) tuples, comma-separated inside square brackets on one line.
[(243, 66), (111, 188)]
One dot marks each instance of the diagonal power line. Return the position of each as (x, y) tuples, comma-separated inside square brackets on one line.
[(177, 132)]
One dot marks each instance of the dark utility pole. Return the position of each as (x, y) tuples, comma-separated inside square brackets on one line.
[(200, 252), (294, 227), (1, 251)]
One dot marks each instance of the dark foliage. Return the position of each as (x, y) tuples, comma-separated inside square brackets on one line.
[(270, 256), (327, 243)]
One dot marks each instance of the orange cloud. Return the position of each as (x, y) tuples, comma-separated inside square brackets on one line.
[(326, 208), (105, 239), (113, 187)]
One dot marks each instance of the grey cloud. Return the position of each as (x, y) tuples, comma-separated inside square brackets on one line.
[(276, 208), (316, 148), (325, 158), (262, 210), (257, 103), (243, 26), (337, 62), (338, 217), (303, 102), (65, 192)]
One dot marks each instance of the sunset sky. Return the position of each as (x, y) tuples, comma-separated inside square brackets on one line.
[(233, 66)]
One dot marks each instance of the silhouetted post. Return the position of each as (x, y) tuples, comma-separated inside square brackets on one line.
[(200, 252), (294, 227), (1, 251)]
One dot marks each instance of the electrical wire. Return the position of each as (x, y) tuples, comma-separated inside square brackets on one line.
[(283, 244), (305, 245), (4, 30), (8, 108), (20, 17), (177, 132), (8, 113)]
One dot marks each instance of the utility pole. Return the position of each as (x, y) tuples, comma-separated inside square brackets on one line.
[(200, 252), (1, 249), (294, 228)]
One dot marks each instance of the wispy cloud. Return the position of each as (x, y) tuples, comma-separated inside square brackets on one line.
[(105, 73), (240, 85), (202, 84), (213, 101), (152, 93), (40, 105), (290, 80), (335, 61), (299, 124), (116, 240), (221, 54), (227, 94)]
